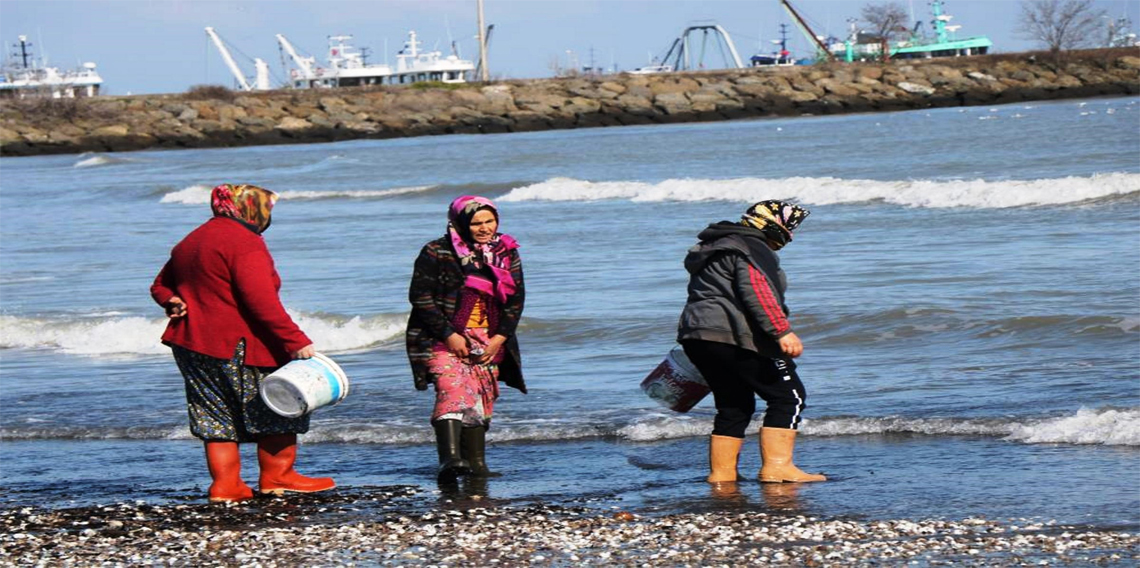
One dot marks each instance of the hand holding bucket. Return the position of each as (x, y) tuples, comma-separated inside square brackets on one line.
[(304, 385)]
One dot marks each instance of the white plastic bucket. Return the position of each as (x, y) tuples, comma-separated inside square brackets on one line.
[(676, 383), (304, 385)]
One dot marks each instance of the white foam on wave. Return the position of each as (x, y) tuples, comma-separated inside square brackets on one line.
[(199, 194), (828, 190), (192, 195), (98, 160), (1112, 427), (86, 336), (1107, 427), (1088, 426), (134, 335), (355, 193), (337, 334), (181, 432), (1128, 324)]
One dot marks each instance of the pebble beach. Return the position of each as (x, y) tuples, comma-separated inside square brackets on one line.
[(408, 526)]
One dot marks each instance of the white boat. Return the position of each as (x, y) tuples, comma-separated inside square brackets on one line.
[(25, 78), (346, 66), (651, 69), (413, 65)]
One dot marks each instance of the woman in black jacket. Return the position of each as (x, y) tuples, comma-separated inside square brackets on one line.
[(735, 329)]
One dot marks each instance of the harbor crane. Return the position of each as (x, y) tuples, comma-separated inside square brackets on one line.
[(261, 78), (681, 52), (306, 66)]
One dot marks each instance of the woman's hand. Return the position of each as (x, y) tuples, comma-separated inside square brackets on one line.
[(305, 352), (490, 350), (175, 307), (457, 344), (791, 346)]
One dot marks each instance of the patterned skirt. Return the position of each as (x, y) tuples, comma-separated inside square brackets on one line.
[(223, 401), (464, 390)]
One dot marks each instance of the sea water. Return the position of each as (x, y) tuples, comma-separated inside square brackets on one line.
[(967, 288)]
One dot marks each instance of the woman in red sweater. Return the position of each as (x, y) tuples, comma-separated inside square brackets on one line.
[(228, 329)]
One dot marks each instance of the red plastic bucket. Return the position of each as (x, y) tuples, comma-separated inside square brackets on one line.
[(676, 383)]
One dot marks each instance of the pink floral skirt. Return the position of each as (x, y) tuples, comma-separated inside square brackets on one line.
[(464, 390)]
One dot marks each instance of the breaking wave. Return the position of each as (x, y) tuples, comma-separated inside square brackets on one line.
[(200, 194), (92, 161), (1103, 427), (826, 190), (135, 335)]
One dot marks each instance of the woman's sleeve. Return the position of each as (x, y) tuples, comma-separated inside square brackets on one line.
[(162, 290), (760, 296), (256, 292), (512, 310), (421, 293)]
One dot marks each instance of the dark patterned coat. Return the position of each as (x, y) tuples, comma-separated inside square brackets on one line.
[(437, 281)]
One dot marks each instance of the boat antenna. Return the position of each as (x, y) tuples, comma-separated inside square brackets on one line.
[(447, 26), (43, 54)]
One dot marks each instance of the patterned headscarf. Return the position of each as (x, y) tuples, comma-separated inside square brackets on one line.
[(776, 219), (247, 203), (487, 266)]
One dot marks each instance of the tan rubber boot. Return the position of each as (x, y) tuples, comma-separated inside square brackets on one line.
[(776, 447), (723, 453)]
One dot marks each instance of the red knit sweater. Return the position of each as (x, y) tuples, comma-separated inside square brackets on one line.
[(224, 273)]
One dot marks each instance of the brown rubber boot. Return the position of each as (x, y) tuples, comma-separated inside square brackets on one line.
[(276, 455), (224, 462), (723, 453), (776, 447)]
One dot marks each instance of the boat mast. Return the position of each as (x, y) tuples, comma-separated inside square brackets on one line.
[(807, 31), (939, 21), (24, 54), (229, 60)]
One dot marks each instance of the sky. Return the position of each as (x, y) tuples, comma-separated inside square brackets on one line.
[(160, 46)]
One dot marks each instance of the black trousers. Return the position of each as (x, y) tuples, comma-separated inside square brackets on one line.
[(737, 375)]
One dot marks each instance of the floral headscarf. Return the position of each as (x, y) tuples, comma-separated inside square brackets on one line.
[(487, 266), (247, 203), (776, 219)]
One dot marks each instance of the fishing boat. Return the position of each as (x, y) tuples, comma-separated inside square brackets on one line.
[(346, 66), (943, 44), (781, 58), (861, 46), (413, 65), (23, 77)]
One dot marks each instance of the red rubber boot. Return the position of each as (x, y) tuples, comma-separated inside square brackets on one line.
[(224, 462), (276, 454)]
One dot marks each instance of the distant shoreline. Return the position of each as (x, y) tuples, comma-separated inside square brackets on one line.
[(214, 117)]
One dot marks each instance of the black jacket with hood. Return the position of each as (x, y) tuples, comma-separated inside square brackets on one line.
[(736, 291)]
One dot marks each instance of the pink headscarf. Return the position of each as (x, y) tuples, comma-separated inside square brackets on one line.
[(496, 282)]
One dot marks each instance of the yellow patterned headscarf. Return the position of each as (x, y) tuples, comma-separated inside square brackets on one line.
[(776, 219), (244, 202)]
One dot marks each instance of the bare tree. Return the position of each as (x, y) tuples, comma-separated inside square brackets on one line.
[(887, 20), (1059, 25)]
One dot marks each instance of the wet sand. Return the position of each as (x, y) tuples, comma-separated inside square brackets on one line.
[(405, 525)]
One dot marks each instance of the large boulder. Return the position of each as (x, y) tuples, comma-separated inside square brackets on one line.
[(293, 124)]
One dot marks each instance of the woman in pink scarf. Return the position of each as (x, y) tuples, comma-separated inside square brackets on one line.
[(467, 298)]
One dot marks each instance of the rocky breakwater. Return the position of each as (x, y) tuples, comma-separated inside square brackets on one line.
[(216, 117)]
